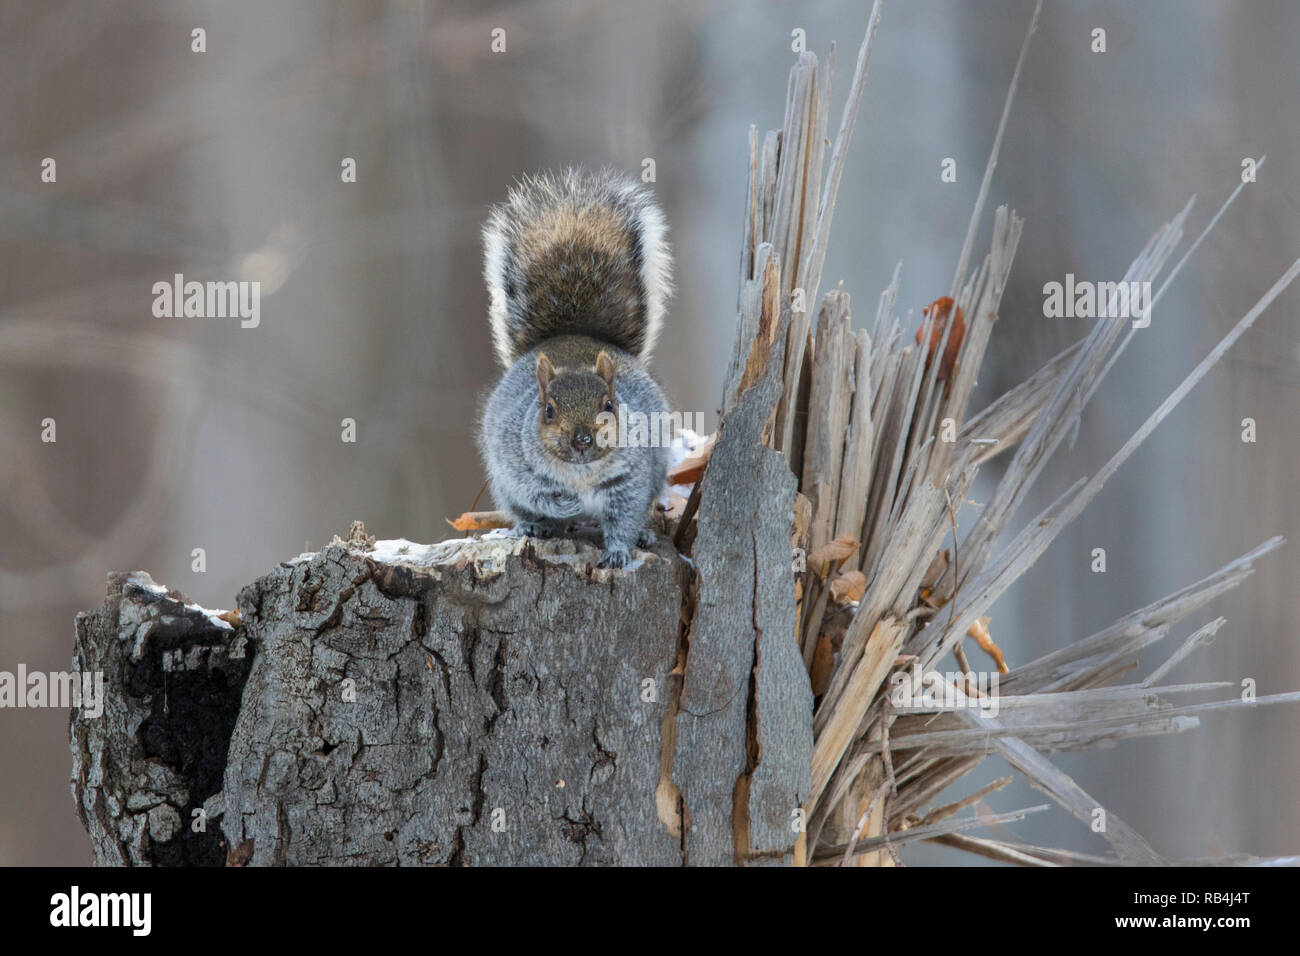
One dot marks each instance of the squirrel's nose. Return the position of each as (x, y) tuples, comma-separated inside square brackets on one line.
[(581, 440)]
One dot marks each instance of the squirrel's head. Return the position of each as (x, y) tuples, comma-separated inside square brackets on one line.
[(577, 410)]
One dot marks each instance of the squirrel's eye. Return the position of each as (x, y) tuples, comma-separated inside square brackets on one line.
[(609, 406), (550, 410)]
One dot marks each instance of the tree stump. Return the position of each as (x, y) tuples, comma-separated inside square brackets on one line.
[(491, 701)]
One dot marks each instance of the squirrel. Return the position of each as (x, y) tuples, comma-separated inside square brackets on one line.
[(578, 272)]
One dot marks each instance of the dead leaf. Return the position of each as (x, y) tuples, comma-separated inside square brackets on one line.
[(689, 469), (936, 569), (932, 576), (823, 663), (940, 309), (836, 625), (849, 586), (482, 521), (980, 631), (832, 553)]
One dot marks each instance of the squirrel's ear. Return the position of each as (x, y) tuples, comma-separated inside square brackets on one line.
[(545, 372), (605, 368)]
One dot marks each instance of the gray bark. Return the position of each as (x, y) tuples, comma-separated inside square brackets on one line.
[(744, 734), (172, 681), (478, 702)]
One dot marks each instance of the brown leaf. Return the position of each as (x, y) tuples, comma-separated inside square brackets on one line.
[(836, 625), (980, 631), (823, 662), (689, 469), (849, 586), (932, 576), (481, 521), (940, 309), (936, 569), (833, 552)]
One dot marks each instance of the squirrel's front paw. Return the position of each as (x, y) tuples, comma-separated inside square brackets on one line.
[(533, 529), (614, 558)]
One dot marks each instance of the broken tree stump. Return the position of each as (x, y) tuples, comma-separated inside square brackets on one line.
[(490, 701)]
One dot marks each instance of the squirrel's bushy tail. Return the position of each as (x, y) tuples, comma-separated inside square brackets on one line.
[(576, 253)]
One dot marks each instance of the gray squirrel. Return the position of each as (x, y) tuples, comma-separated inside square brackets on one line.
[(578, 273)]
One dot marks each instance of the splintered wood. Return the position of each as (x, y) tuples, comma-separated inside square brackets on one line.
[(875, 425)]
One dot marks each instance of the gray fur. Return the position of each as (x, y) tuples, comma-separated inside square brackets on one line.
[(545, 495), (571, 293), (594, 299)]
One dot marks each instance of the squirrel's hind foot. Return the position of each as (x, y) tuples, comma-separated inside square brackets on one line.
[(614, 558)]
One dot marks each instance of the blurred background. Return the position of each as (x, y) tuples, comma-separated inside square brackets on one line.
[(175, 434)]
